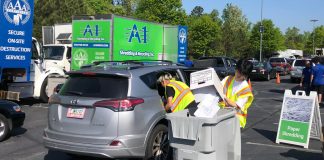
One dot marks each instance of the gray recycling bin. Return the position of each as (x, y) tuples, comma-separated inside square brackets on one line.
[(195, 138)]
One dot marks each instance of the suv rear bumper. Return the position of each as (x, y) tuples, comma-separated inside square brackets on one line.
[(95, 150)]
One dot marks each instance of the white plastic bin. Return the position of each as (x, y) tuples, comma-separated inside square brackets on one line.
[(195, 138)]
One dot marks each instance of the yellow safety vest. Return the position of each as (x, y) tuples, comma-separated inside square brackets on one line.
[(244, 92), (182, 97)]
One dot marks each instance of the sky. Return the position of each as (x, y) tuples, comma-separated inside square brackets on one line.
[(284, 13)]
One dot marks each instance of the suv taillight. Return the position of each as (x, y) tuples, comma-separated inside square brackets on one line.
[(119, 105)]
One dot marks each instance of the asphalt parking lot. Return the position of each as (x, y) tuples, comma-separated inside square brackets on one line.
[(258, 138)]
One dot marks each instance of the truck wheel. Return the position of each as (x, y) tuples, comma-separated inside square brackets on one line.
[(4, 127), (44, 92), (158, 147)]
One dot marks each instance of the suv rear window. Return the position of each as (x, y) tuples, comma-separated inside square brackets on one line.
[(300, 63), (96, 86)]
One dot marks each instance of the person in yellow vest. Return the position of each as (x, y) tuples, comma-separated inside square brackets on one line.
[(238, 91), (177, 95)]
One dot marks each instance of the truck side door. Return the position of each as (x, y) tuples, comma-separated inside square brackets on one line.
[(36, 64)]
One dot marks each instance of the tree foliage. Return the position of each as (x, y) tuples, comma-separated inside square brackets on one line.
[(294, 40), (197, 11), (273, 40), (204, 36), (235, 32), (161, 11), (318, 34)]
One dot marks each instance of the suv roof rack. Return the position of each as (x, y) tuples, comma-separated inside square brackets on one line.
[(130, 64), (136, 62)]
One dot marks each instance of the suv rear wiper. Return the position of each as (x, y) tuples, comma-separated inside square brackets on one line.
[(75, 93)]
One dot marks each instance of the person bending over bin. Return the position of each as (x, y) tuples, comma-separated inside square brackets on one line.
[(177, 95), (237, 90)]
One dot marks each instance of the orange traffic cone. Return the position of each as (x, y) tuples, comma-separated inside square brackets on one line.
[(278, 78)]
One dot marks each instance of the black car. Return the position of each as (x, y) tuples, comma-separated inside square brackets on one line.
[(263, 71), (11, 117), (224, 66)]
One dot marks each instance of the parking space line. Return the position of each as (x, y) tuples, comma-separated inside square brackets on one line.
[(285, 147)]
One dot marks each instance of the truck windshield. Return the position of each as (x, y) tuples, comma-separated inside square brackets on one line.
[(53, 52)]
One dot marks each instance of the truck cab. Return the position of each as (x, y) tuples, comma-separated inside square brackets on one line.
[(57, 56)]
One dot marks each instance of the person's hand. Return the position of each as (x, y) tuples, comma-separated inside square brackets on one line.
[(229, 103), (301, 84)]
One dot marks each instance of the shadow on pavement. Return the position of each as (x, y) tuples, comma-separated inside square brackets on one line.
[(302, 155), (29, 101), (281, 91), (18, 131), (57, 155), (271, 135)]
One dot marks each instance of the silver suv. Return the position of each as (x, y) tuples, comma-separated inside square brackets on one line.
[(109, 110)]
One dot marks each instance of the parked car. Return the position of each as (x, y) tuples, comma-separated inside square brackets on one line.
[(263, 71), (11, 117), (281, 64), (297, 69), (111, 111), (223, 66)]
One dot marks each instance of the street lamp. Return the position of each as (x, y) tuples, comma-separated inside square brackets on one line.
[(261, 31), (313, 20)]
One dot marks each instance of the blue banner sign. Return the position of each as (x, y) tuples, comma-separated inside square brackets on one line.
[(182, 43), (16, 21)]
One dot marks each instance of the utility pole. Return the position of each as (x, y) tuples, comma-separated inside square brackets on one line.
[(314, 20), (261, 31)]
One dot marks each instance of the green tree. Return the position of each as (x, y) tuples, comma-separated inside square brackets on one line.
[(235, 32), (197, 11), (319, 40), (273, 40), (161, 11), (294, 40), (204, 36)]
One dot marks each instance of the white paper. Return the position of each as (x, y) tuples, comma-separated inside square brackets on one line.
[(208, 108)]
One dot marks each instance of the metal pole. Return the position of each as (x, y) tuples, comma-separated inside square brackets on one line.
[(314, 20), (261, 31)]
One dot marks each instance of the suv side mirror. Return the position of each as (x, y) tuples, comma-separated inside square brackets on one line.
[(58, 88)]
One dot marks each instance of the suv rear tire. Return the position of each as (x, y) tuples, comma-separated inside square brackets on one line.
[(4, 127), (158, 146)]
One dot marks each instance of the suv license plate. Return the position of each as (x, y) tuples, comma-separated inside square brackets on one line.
[(75, 113), (253, 70)]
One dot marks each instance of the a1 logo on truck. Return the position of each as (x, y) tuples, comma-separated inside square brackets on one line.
[(17, 11), (88, 30), (135, 33)]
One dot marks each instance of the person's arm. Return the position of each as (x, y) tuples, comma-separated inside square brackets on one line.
[(238, 105), (168, 105), (169, 97), (302, 79)]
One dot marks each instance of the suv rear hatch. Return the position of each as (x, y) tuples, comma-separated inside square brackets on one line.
[(87, 107)]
